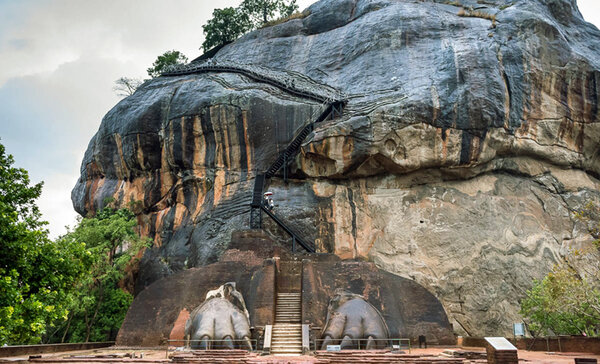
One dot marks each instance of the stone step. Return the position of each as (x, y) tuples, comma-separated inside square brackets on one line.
[(286, 349), (287, 325), (287, 331)]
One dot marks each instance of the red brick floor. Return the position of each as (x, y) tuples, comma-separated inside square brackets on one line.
[(158, 356)]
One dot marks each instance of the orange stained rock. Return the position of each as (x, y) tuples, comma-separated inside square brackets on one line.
[(121, 167), (178, 330), (249, 150)]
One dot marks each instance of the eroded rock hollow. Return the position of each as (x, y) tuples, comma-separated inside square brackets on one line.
[(464, 149)]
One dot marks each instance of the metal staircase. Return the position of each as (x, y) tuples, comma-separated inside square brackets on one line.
[(333, 103), (332, 110), (296, 238)]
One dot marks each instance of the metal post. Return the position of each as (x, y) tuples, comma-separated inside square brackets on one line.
[(284, 167), (293, 244)]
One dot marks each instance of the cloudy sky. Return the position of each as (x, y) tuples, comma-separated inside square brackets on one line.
[(58, 63)]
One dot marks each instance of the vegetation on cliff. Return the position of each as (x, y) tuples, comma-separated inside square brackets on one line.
[(165, 60), (228, 24)]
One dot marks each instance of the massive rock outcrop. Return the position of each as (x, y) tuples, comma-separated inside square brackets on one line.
[(465, 148)]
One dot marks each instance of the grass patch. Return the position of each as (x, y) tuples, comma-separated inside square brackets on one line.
[(453, 3), (296, 15), (470, 13)]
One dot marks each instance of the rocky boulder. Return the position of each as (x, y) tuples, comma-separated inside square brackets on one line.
[(470, 138)]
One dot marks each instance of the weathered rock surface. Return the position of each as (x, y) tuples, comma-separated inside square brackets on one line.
[(459, 160)]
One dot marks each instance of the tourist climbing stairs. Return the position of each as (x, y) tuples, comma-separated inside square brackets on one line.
[(331, 110), (287, 331)]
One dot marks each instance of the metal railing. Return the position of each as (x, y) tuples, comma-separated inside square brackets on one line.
[(285, 80), (361, 344), (221, 345)]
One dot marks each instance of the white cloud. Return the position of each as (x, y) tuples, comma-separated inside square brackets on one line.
[(590, 9)]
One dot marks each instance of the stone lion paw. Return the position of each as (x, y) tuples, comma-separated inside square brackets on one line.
[(221, 321), (352, 323)]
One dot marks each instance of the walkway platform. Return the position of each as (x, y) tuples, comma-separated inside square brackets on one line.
[(417, 356)]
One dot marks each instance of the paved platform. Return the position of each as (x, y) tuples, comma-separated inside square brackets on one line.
[(437, 355)]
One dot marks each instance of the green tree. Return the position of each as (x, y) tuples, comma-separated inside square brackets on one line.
[(225, 26), (36, 275), (164, 61), (261, 12), (567, 300), (126, 86), (97, 311), (228, 24), (562, 304)]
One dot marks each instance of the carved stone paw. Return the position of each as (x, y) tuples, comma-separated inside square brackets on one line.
[(350, 318), (221, 322)]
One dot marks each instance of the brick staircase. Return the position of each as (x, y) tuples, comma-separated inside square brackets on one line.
[(381, 356), (214, 356), (287, 331)]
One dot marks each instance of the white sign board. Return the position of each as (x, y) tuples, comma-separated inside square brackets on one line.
[(519, 329), (500, 343), (334, 348)]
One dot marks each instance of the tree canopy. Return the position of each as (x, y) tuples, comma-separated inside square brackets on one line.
[(100, 304), (228, 24), (63, 290), (261, 12), (225, 26), (36, 275), (165, 60)]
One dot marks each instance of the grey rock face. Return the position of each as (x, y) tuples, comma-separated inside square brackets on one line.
[(465, 148)]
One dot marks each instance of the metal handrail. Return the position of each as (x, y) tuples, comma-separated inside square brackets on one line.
[(187, 69), (390, 342), (186, 343), (293, 234)]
